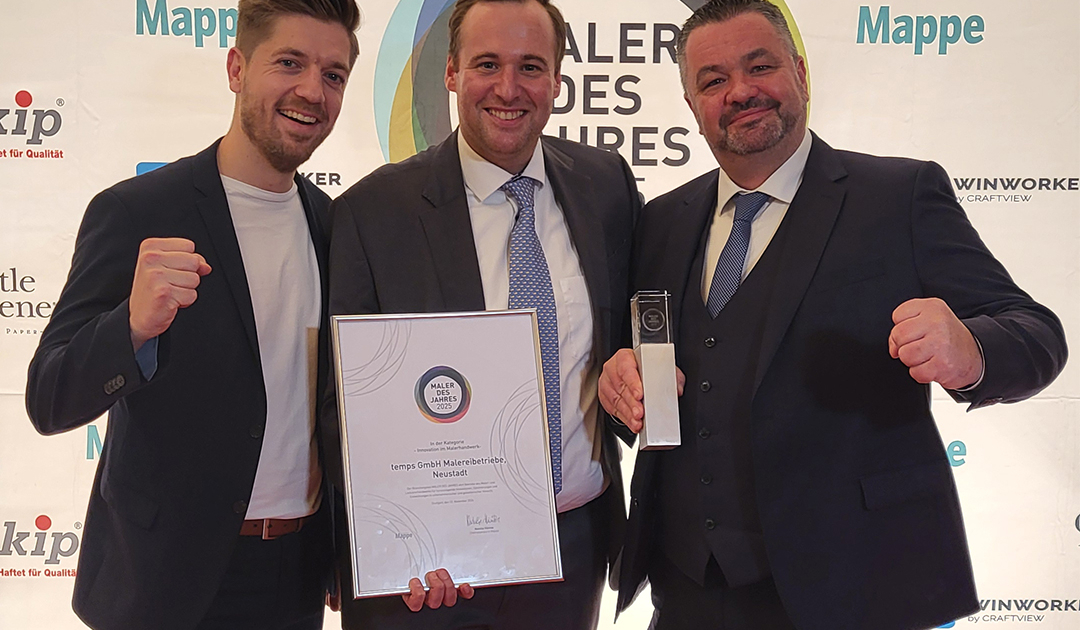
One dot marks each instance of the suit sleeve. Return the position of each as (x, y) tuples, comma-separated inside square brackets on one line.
[(1023, 342), (85, 362), (352, 292), (624, 335)]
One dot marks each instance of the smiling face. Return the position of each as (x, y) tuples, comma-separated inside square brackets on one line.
[(748, 93), (505, 80), (290, 89)]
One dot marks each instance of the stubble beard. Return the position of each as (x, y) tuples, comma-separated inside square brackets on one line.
[(761, 135), (282, 156)]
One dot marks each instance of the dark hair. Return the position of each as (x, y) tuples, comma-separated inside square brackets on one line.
[(723, 10), (461, 7), (256, 19)]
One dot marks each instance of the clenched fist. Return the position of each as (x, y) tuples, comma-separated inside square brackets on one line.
[(166, 276), (934, 344)]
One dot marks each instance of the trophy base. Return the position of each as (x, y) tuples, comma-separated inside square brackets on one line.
[(656, 362)]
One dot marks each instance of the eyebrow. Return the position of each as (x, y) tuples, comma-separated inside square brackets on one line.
[(295, 52), (753, 55), (492, 55), (756, 54)]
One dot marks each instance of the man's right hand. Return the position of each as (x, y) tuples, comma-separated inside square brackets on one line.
[(621, 392), (166, 275)]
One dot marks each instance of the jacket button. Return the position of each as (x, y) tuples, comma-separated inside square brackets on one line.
[(240, 507), (634, 501), (710, 342), (706, 479), (710, 524), (256, 431), (704, 433), (706, 386)]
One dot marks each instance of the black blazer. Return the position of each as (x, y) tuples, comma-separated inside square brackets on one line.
[(858, 506), (179, 458), (403, 243)]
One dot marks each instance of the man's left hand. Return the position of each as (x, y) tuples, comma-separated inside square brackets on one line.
[(934, 344), (441, 591)]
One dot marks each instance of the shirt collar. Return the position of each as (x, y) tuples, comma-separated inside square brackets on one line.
[(483, 179), (781, 185)]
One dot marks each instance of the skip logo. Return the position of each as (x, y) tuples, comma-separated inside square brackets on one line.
[(37, 123), (52, 545), (199, 23), (920, 31)]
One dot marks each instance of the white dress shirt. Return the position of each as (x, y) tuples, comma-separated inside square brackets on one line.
[(781, 188), (492, 214)]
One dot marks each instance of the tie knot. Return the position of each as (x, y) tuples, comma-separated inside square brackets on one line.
[(748, 205), (521, 189)]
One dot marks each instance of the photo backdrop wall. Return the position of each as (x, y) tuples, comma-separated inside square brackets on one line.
[(96, 92)]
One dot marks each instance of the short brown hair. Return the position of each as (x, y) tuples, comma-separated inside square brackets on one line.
[(461, 7), (256, 18), (716, 11)]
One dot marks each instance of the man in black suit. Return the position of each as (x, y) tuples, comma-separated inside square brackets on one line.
[(192, 314), (437, 233), (816, 294)]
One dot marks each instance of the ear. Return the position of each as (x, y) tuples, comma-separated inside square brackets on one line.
[(450, 78), (690, 104), (558, 85), (801, 72), (234, 65)]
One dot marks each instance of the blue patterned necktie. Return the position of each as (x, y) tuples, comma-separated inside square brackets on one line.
[(729, 267), (530, 287)]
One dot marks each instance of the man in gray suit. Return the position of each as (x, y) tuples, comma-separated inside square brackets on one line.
[(440, 232)]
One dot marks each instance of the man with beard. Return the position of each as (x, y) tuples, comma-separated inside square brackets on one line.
[(816, 294), (471, 224), (192, 314)]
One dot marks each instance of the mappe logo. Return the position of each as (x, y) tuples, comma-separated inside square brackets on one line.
[(38, 123), (412, 105), (50, 545)]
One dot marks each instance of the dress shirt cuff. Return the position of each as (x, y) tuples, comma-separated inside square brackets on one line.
[(146, 357), (982, 370)]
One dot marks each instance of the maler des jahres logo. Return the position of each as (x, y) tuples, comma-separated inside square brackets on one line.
[(443, 395), (412, 106)]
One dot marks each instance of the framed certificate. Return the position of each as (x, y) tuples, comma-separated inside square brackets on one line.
[(445, 446)]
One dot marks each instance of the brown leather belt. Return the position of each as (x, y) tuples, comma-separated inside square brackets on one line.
[(271, 528)]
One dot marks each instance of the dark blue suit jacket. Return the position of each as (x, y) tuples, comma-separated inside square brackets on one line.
[(858, 506), (178, 462)]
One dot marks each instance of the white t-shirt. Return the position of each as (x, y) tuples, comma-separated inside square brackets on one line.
[(283, 279)]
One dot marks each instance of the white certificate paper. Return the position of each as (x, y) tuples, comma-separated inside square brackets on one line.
[(445, 443)]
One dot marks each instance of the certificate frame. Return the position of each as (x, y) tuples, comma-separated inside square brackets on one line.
[(500, 383)]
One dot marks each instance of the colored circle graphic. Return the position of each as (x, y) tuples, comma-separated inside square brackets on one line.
[(23, 99), (443, 395), (412, 106)]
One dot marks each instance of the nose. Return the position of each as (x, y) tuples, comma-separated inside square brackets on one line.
[(506, 84), (309, 85), (740, 88)]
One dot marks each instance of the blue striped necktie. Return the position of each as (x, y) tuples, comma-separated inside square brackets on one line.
[(729, 267), (530, 287)]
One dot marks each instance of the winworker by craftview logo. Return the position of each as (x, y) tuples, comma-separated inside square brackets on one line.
[(1012, 190), (37, 541), (33, 119)]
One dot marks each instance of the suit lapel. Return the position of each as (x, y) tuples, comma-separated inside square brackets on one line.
[(573, 192), (214, 210), (319, 235), (810, 222), (448, 230), (687, 228)]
